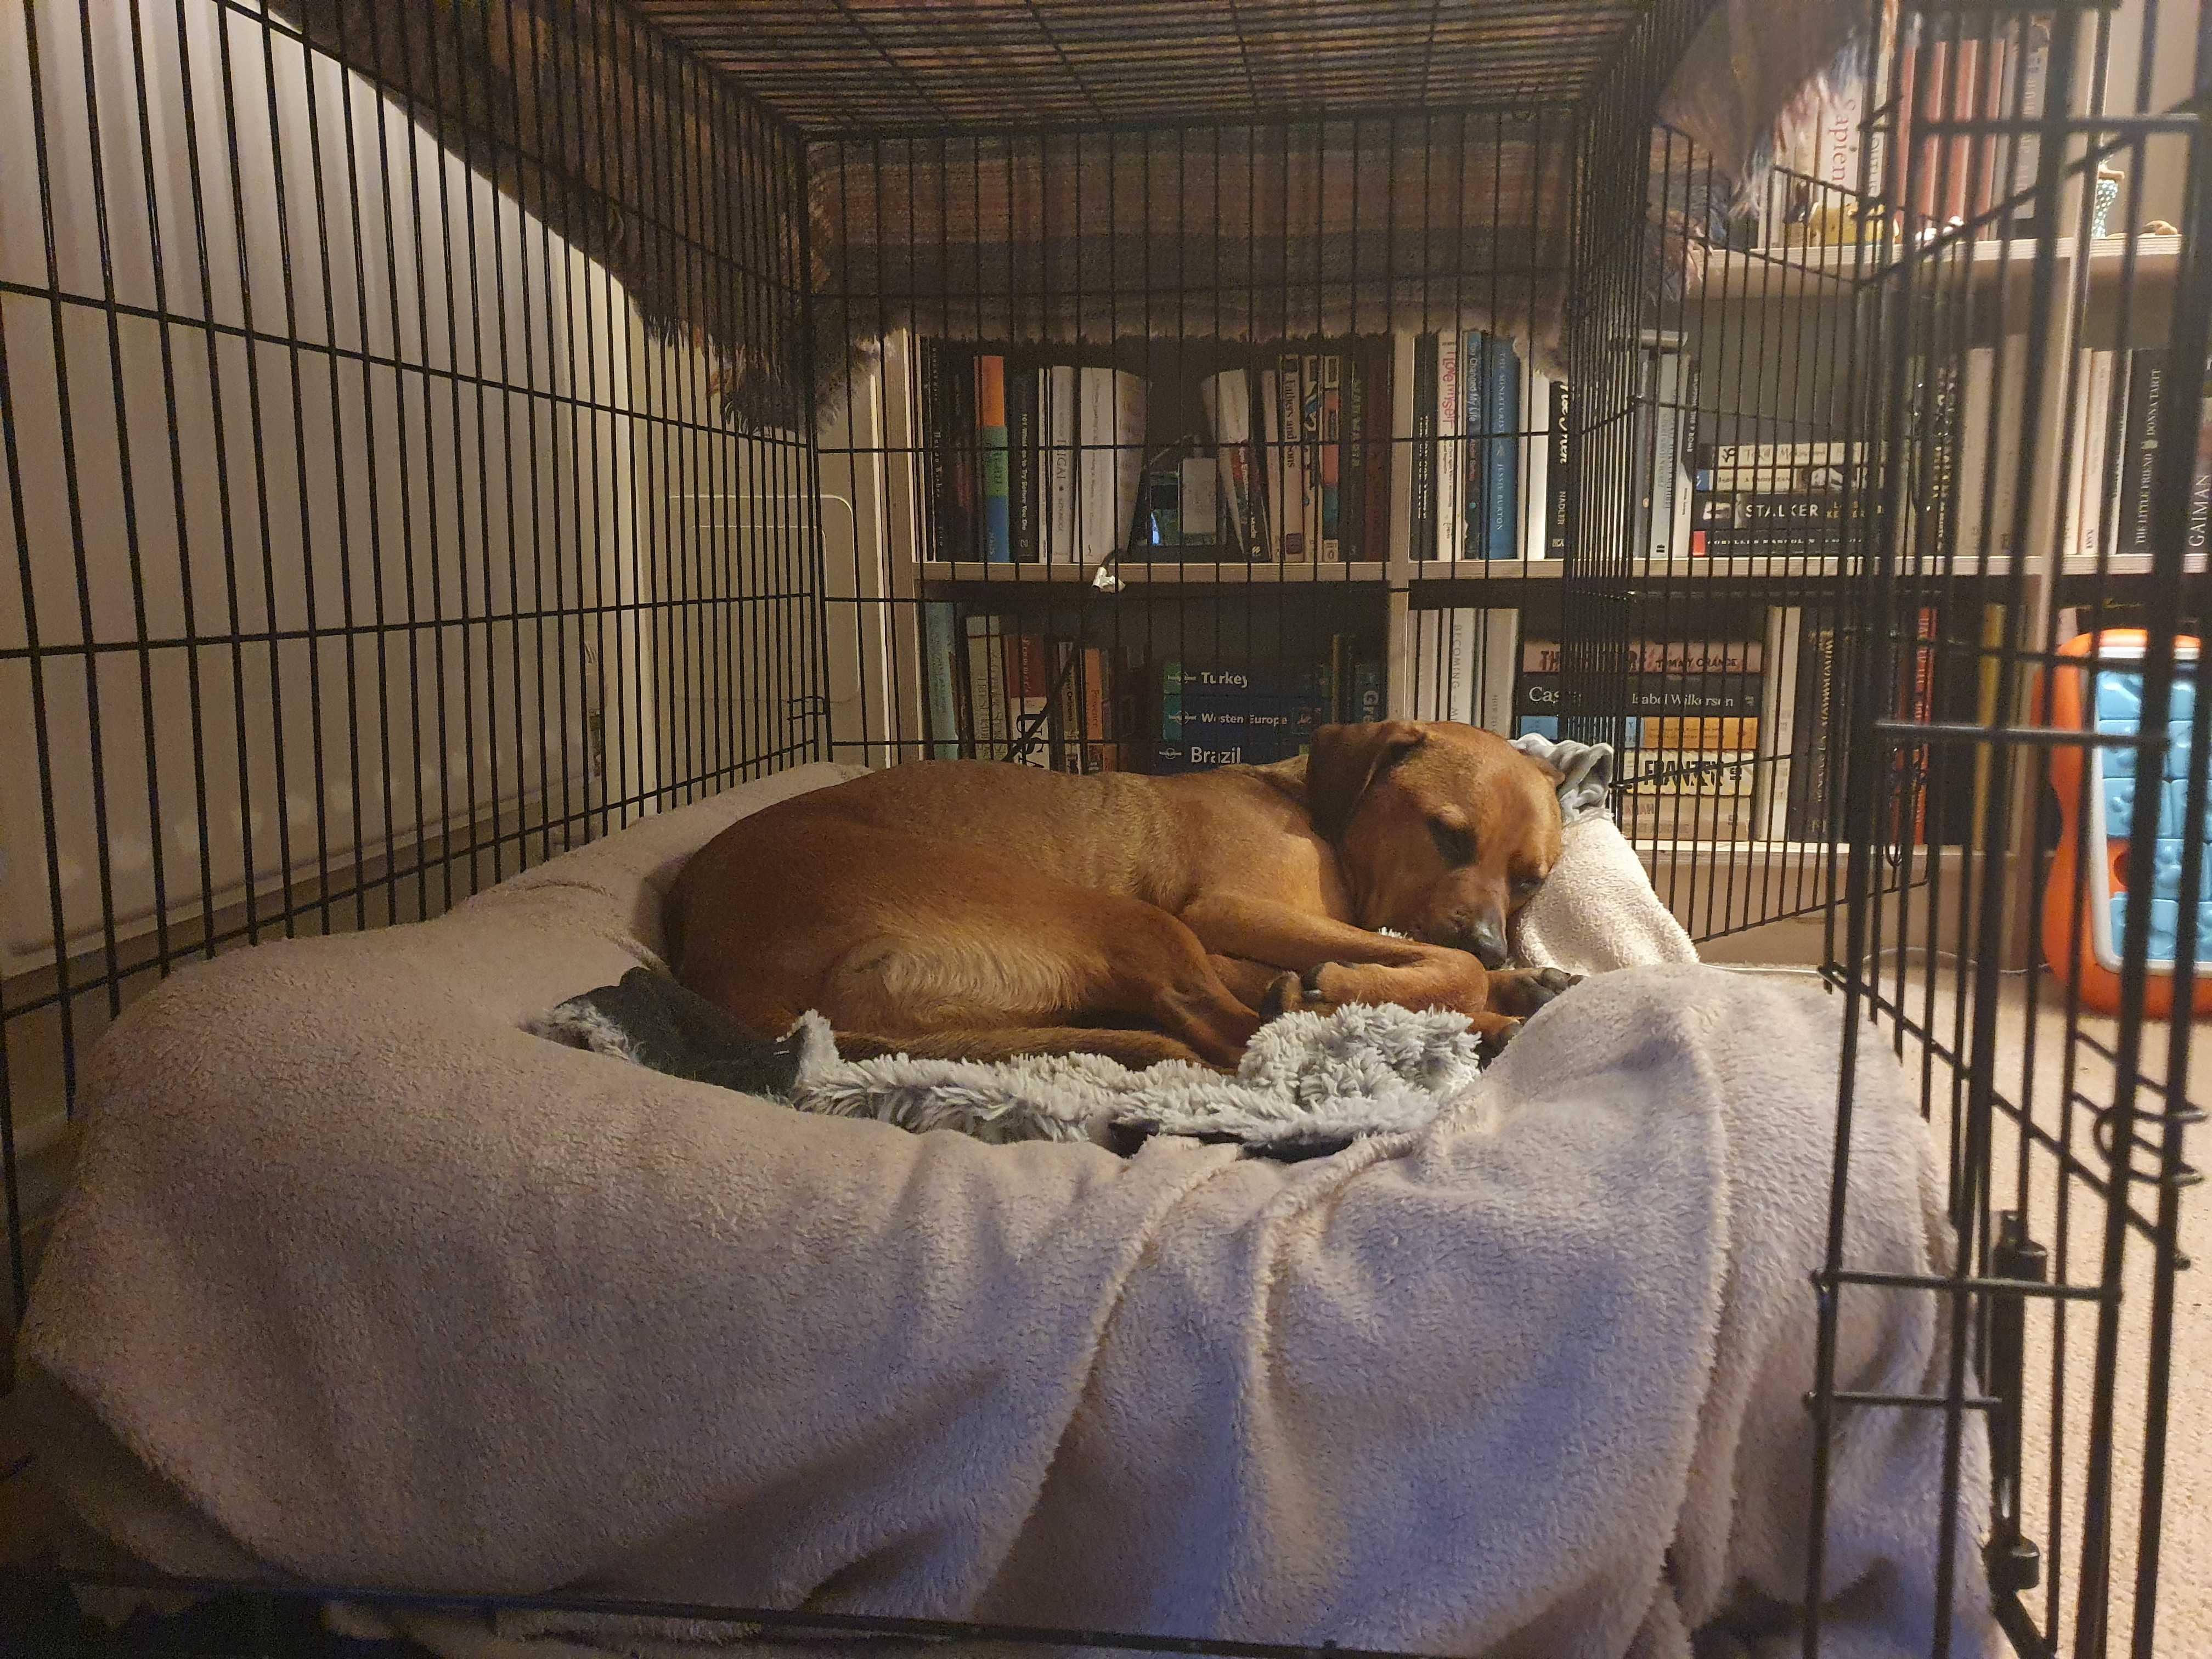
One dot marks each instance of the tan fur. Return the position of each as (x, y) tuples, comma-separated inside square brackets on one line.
[(977, 909)]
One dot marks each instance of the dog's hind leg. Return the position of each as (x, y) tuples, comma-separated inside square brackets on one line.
[(1083, 957)]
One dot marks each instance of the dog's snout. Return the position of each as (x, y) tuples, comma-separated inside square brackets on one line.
[(1480, 937), (1487, 940)]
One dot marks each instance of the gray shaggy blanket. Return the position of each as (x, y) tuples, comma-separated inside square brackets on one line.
[(1309, 1084)]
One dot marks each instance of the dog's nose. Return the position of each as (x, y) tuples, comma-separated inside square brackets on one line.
[(1488, 938)]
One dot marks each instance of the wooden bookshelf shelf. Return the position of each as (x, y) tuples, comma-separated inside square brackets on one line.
[(999, 578), (1133, 574), (1788, 273)]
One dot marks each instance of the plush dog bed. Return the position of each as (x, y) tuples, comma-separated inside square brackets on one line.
[(362, 1283)]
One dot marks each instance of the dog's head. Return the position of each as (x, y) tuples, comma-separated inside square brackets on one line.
[(1441, 831)]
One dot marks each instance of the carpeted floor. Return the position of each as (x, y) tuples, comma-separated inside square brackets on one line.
[(2031, 1059)]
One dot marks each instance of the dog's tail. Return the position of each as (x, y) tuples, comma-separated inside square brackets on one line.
[(1135, 1049)]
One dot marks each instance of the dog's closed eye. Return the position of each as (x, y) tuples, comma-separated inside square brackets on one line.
[(1453, 844)]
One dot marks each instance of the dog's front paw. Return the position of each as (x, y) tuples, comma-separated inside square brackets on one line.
[(1296, 993), (1491, 1037), (1521, 992)]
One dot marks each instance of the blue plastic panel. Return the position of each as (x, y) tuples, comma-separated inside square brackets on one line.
[(2119, 713)]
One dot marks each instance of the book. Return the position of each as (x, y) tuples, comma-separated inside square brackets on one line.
[(1086, 727), (1367, 691), (1744, 509), (1451, 463), (1552, 545), (1378, 411), (2032, 79), (1287, 727), (1838, 160), (948, 377), (939, 656), (1028, 698), (1499, 531), (1329, 459), (1421, 520), (1309, 450), (1351, 505), (1179, 678), (1664, 442), (1105, 723), (1811, 787), (1697, 797), (1058, 394), (1110, 436), (1023, 393), (1226, 403), (1285, 513), (2134, 531), (2139, 451), (937, 459), (1198, 506), (991, 458), (1702, 657), (1816, 452), (1731, 695), (1065, 716), (1169, 759), (2093, 461), (1784, 624), (1982, 518), (1463, 666), (989, 723), (1914, 661), (1286, 476), (1703, 733)]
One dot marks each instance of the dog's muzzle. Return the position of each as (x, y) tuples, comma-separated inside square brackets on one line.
[(1483, 940)]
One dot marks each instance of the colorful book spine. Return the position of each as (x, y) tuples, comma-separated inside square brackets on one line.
[(1688, 657), (1451, 449), (1261, 679), (1366, 691), (1501, 446), (991, 452), (1170, 759)]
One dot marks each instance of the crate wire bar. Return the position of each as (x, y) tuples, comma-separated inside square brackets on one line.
[(438, 435)]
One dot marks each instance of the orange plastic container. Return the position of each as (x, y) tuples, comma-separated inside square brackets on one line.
[(2089, 935)]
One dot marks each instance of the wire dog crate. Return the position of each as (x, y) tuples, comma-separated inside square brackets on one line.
[(437, 436)]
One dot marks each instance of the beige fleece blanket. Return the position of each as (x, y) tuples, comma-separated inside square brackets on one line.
[(362, 1284)]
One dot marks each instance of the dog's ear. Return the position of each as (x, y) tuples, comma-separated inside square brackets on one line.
[(1345, 763)]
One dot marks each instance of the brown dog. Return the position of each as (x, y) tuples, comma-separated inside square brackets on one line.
[(977, 910)]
